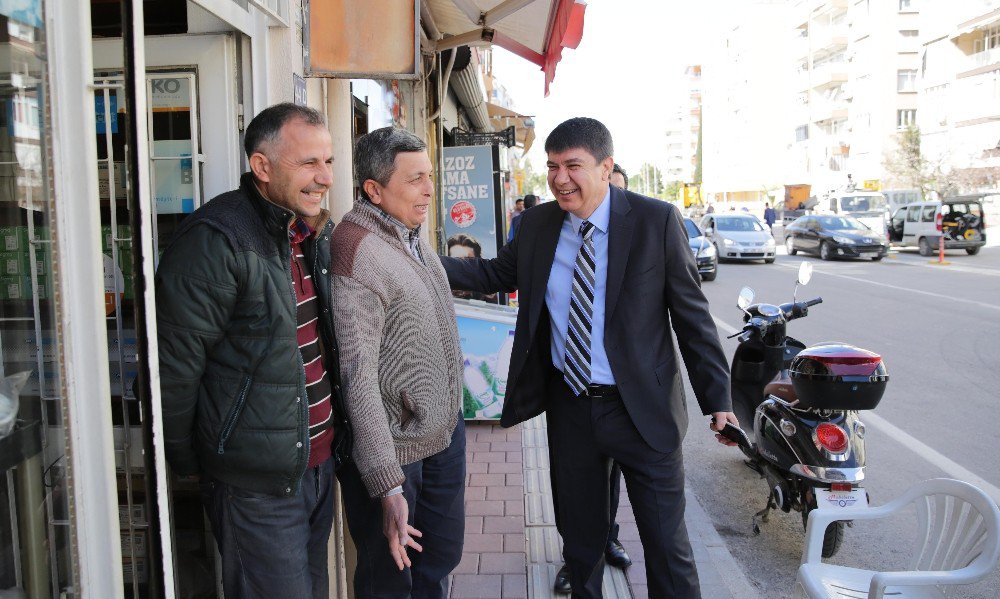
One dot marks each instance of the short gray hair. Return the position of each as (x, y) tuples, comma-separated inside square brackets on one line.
[(375, 154), (265, 128)]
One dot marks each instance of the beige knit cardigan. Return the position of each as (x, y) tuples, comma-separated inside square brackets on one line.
[(400, 357)]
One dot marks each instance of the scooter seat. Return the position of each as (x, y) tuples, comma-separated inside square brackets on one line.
[(782, 388)]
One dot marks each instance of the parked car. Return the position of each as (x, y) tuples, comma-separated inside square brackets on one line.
[(704, 252), (869, 207), (739, 237), (960, 219), (830, 236)]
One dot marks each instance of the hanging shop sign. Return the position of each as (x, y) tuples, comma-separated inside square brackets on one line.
[(469, 196), (341, 44)]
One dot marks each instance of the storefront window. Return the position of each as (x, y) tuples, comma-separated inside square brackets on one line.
[(35, 520)]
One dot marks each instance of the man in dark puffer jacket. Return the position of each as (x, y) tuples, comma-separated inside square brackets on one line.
[(248, 360)]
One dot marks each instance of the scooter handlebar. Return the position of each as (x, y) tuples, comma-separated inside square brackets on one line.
[(813, 302)]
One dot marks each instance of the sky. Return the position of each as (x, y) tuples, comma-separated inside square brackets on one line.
[(628, 73)]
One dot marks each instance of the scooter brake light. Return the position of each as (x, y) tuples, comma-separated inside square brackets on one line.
[(840, 487), (831, 437)]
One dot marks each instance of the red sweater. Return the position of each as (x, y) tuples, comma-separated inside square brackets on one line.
[(318, 387)]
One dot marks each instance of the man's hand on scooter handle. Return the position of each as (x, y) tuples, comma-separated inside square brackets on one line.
[(719, 420)]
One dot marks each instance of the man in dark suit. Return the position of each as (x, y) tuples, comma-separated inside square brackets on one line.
[(603, 275)]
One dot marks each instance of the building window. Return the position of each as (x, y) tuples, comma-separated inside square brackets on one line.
[(802, 133), (906, 80), (906, 118), (989, 41), (905, 5), (909, 33)]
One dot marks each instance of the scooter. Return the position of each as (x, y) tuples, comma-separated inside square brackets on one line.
[(808, 440)]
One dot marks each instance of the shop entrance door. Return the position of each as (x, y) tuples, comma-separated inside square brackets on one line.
[(172, 122), (162, 522)]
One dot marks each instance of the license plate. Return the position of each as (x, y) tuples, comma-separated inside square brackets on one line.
[(869, 254), (835, 500)]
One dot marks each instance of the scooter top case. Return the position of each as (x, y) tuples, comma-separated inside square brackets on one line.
[(837, 376), (826, 449)]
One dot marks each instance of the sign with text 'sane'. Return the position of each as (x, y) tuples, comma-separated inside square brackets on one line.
[(469, 198)]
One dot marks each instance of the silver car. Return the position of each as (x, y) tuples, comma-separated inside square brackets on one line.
[(739, 237)]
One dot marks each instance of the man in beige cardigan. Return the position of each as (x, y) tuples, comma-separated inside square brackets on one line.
[(401, 369)]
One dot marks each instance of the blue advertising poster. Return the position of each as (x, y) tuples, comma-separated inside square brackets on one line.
[(99, 112), (173, 178), (470, 201), (28, 12), (486, 333)]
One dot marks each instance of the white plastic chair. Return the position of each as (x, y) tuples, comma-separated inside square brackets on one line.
[(958, 542)]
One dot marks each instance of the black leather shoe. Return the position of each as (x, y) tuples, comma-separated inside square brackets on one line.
[(562, 585), (616, 555)]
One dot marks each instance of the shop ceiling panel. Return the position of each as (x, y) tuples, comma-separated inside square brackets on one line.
[(528, 26)]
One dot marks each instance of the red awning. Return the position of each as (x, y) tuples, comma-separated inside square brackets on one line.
[(536, 30)]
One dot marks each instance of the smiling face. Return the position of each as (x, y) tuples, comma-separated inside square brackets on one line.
[(408, 194), (296, 170), (578, 181)]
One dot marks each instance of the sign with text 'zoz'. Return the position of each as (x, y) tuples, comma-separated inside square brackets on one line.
[(469, 196)]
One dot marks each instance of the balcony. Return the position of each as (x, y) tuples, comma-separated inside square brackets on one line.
[(823, 76), (826, 112), (827, 40), (808, 10), (986, 57), (840, 148), (974, 103)]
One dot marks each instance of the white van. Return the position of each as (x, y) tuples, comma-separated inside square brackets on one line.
[(869, 207), (923, 224)]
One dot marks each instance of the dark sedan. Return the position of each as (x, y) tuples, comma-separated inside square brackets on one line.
[(703, 250), (834, 237)]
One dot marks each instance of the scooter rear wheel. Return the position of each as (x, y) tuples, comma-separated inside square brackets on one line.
[(833, 537)]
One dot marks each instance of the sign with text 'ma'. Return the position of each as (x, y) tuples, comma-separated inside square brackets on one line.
[(469, 198), (363, 39)]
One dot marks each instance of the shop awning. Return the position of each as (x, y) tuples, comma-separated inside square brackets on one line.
[(524, 126), (536, 30)]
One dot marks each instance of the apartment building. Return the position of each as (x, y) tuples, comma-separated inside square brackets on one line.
[(747, 103), (682, 135), (857, 64), (959, 115)]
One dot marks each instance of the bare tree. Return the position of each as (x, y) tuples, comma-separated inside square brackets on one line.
[(908, 167)]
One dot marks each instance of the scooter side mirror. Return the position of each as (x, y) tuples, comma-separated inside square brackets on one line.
[(745, 298), (805, 273)]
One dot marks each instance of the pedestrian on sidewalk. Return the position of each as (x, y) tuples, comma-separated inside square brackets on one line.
[(769, 215), (605, 278), (401, 368), (248, 360), (529, 202)]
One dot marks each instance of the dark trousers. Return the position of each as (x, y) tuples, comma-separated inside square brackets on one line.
[(614, 495), (435, 493), (273, 546), (585, 435)]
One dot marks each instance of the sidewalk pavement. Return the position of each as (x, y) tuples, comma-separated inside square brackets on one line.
[(512, 550)]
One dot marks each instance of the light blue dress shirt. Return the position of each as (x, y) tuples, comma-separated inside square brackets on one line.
[(560, 287)]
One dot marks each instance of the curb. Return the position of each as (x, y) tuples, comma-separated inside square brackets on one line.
[(703, 532)]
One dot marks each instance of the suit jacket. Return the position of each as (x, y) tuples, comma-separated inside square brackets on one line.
[(653, 286)]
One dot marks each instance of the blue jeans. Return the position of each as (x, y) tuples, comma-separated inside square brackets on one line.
[(435, 493), (273, 546)]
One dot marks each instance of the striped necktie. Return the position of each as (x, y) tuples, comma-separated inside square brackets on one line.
[(576, 365)]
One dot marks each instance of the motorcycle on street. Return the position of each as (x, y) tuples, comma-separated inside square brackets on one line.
[(807, 440)]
